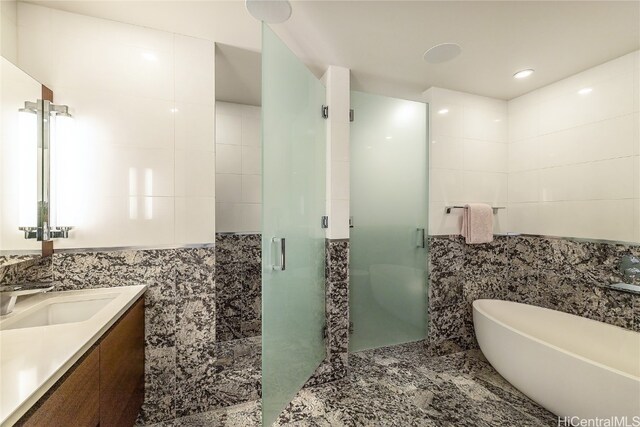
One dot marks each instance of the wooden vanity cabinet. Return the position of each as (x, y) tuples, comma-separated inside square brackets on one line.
[(74, 402), (105, 387), (122, 370)]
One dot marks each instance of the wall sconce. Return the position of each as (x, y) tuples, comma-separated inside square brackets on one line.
[(45, 141)]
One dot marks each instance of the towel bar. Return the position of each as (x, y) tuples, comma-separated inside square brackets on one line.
[(448, 209)]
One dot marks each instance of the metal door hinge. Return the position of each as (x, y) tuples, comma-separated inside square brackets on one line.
[(350, 222), (352, 116), (350, 328), (325, 332), (324, 221), (325, 111)]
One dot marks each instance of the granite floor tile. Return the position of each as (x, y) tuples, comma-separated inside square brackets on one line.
[(398, 386)]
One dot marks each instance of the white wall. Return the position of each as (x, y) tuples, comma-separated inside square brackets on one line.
[(573, 155), (337, 82), (9, 30), (238, 168), (143, 102), (467, 156)]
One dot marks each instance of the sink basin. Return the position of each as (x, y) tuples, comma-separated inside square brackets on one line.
[(54, 312)]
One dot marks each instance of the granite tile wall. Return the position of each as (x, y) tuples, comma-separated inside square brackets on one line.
[(239, 298), (188, 369), (560, 274), (24, 268), (239, 285), (180, 353), (569, 275), (335, 364)]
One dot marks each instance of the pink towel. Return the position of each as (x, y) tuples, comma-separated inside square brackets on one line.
[(477, 223)]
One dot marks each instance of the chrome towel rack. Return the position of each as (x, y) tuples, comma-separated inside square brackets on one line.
[(448, 209)]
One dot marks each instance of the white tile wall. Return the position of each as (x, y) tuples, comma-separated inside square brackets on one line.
[(468, 156), (565, 161), (238, 168), (337, 81), (143, 105), (574, 155)]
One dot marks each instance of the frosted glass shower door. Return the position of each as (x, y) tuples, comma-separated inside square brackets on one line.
[(293, 281), (388, 254)]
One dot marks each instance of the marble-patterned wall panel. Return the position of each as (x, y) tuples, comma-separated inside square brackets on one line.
[(445, 269), (179, 315), (459, 274), (239, 286), (9, 259), (337, 260), (187, 369), (485, 270), (335, 364), (525, 259), (569, 275), (24, 268), (560, 274)]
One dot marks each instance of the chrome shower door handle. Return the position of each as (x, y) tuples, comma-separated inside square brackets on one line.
[(421, 238), (282, 258)]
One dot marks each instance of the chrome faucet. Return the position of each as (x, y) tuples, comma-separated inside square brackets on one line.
[(630, 269), (10, 293)]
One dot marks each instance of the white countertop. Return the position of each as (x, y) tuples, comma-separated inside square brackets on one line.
[(33, 359)]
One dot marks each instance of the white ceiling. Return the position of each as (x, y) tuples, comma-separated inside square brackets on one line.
[(382, 42), (226, 22)]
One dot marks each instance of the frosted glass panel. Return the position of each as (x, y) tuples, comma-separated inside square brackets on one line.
[(294, 201), (388, 293)]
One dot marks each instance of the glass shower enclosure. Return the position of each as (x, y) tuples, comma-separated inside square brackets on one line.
[(388, 300), (388, 242), (293, 278)]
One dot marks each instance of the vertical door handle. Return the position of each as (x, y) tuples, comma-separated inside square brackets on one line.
[(282, 255), (421, 238)]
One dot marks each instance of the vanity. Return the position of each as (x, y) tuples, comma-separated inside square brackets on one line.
[(73, 358)]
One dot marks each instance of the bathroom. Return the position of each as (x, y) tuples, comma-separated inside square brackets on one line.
[(237, 213)]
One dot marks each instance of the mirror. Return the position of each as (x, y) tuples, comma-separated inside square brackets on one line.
[(36, 145), (18, 142)]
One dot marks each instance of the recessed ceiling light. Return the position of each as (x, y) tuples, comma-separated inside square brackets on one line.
[(523, 74), (585, 91), (443, 111), (387, 137), (442, 53), (269, 11)]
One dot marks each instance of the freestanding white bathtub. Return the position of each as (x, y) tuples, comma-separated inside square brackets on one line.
[(572, 366)]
